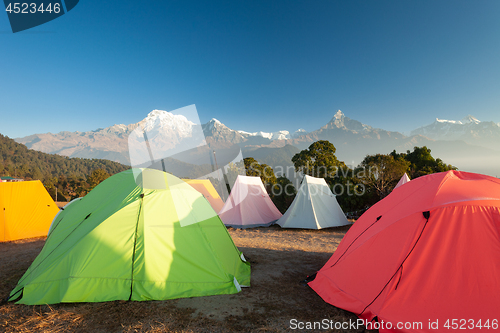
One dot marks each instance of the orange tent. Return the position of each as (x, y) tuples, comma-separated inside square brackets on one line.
[(26, 210), (205, 187), (428, 253)]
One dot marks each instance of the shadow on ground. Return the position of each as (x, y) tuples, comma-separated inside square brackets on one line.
[(275, 298)]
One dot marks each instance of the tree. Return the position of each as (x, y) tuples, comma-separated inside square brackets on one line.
[(81, 191), (51, 186), (283, 193), (264, 171), (354, 197), (232, 170), (36, 174), (422, 163), (382, 172), (319, 161), (96, 177)]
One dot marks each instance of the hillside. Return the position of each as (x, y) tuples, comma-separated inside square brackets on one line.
[(17, 160)]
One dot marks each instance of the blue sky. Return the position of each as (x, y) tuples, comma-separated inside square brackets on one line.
[(254, 65)]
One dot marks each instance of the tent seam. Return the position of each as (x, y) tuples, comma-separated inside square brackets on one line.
[(426, 216), (134, 249)]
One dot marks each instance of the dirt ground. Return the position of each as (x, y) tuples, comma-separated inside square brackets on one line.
[(280, 259), (61, 204)]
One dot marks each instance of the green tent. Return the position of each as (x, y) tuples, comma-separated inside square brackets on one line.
[(141, 234)]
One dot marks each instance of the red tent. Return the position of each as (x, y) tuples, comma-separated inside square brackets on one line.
[(429, 251)]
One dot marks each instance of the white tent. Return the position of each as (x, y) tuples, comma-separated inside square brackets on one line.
[(249, 205), (405, 179), (314, 207)]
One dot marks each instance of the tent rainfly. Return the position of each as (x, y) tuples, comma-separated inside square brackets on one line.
[(314, 207), (428, 252), (249, 205), (26, 210), (140, 235), (205, 187), (405, 179)]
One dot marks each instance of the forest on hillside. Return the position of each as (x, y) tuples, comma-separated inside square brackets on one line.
[(73, 177)]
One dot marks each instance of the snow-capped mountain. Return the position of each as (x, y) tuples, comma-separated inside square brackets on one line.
[(280, 135), (467, 120), (479, 140), (298, 133), (163, 134), (217, 132), (352, 139), (161, 127), (340, 121), (341, 129), (215, 126), (469, 129), (166, 122)]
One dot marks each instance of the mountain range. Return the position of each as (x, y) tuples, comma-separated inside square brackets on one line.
[(469, 129), (469, 144)]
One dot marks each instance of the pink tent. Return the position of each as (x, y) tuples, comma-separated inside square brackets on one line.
[(428, 253), (249, 205), (405, 179)]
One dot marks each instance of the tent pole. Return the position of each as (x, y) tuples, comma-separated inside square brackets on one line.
[(150, 151), (226, 180)]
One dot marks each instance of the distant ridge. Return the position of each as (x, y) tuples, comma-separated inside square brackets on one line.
[(469, 129), (16, 158), (469, 144)]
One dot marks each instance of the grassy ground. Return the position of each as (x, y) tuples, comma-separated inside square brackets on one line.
[(280, 259)]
